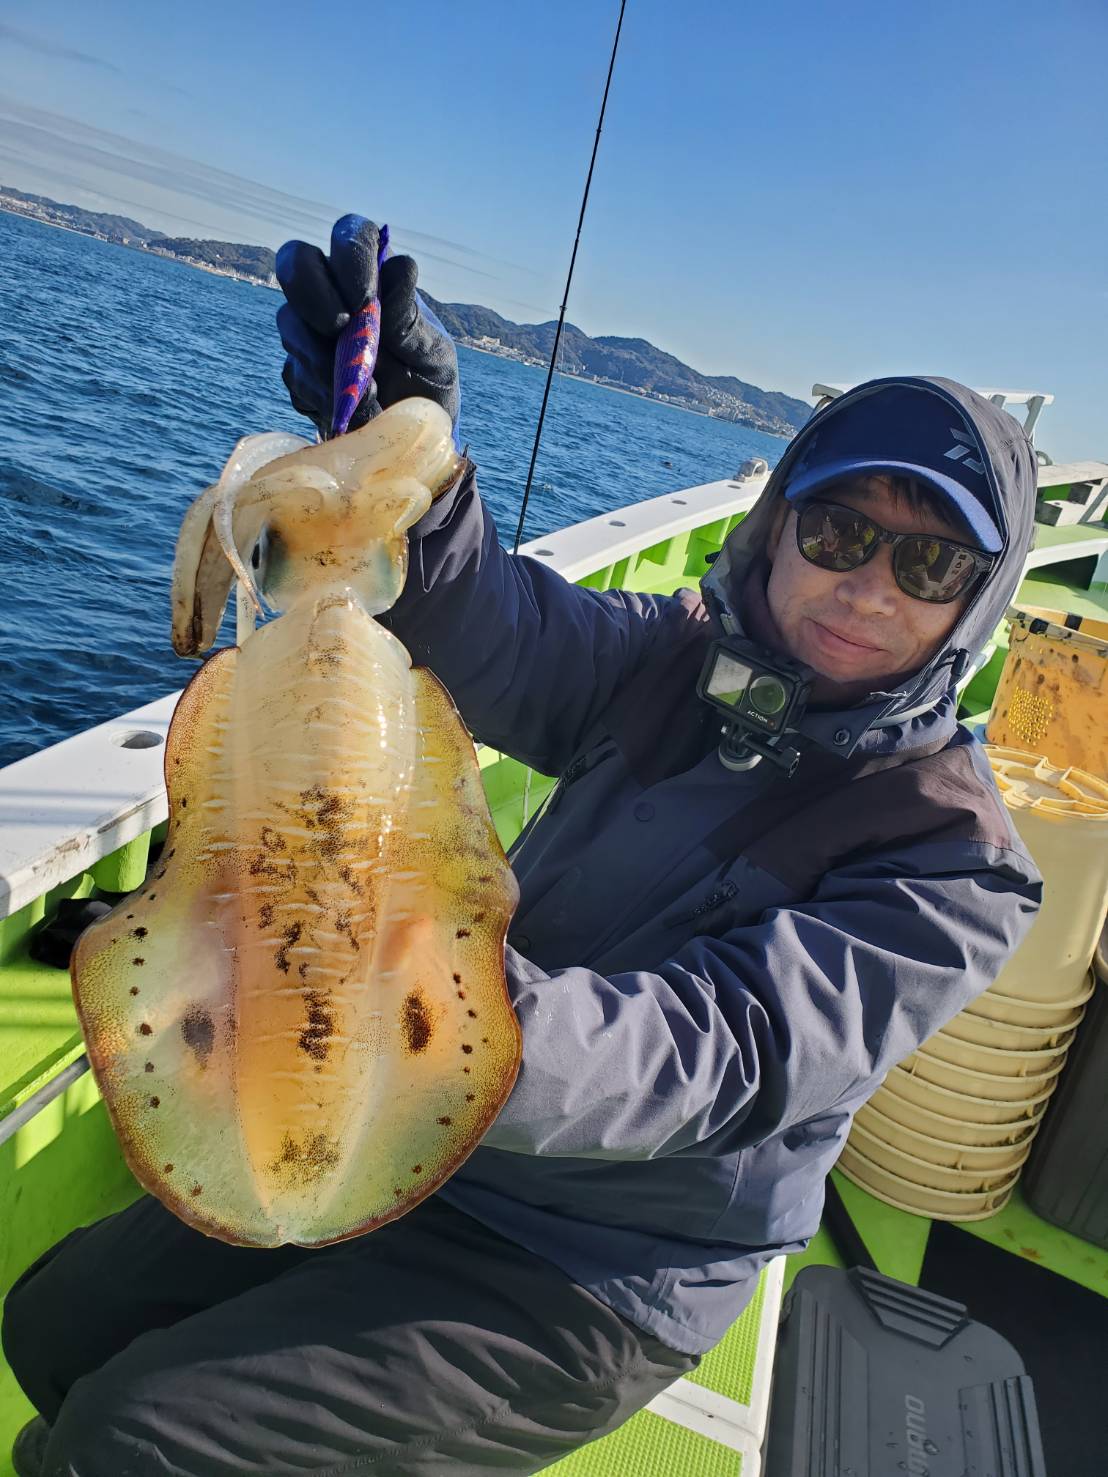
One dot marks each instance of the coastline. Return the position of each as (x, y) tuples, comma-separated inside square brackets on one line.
[(635, 394), (272, 286), (140, 246), (56, 225)]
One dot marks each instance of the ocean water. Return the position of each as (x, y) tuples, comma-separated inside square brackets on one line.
[(124, 382)]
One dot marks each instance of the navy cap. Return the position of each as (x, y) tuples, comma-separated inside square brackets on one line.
[(907, 432)]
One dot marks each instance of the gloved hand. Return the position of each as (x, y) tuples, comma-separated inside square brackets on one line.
[(416, 356)]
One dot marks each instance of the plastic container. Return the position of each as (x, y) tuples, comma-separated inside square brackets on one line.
[(1062, 816), (955, 1132), (1017, 1012), (1053, 689), (939, 1205), (974, 1169), (991, 1085), (924, 1145), (970, 1107), (1001, 1060), (981, 1031)]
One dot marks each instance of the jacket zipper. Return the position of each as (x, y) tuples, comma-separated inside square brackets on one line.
[(572, 772), (720, 894)]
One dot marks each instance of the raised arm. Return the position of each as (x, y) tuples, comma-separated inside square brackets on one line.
[(529, 658)]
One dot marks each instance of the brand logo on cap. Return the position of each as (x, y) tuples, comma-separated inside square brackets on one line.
[(960, 452)]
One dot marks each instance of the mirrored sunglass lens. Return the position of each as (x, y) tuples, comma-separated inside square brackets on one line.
[(834, 538), (932, 569)]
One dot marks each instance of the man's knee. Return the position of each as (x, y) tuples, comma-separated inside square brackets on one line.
[(39, 1328), (96, 1434), (28, 1348)]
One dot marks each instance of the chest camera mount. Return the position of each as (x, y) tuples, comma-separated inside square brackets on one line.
[(761, 697)]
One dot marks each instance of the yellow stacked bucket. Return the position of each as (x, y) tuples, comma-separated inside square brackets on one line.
[(1052, 697), (948, 1133)]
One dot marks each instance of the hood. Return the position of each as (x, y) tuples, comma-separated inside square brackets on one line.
[(1012, 478)]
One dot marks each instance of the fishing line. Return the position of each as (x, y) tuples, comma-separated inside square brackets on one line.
[(569, 279)]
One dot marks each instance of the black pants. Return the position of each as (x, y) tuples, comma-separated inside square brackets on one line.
[(429, 1346)]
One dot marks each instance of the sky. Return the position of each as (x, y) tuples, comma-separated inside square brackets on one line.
[(824, 190)]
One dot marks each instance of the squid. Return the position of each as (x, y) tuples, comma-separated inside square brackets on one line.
[(300, 1024)]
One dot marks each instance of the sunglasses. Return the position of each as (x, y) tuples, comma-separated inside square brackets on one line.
[(837, 538)]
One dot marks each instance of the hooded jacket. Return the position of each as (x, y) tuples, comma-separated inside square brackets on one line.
[(712, 969)]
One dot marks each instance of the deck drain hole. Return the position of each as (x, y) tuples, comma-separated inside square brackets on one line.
[(616, 523), (680, 501), (139, 738)]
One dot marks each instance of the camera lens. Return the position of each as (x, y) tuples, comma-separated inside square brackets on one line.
[(767, 695)]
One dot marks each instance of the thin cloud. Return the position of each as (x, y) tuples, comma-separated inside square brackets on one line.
[(448, 261), (56, 139), (53, 179), (423, 239), (55, 136), (57, 51), (43, 45)]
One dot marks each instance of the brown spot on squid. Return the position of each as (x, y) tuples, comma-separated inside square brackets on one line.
[(315, 1037), (198, 1031), (415, 1022), (291, 936)]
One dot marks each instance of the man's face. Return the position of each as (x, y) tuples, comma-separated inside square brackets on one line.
[(857, 628)]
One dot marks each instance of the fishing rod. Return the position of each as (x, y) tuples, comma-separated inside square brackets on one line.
[(569, 279)]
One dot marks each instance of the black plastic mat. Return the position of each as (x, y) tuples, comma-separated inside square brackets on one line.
[(1059, 1329)]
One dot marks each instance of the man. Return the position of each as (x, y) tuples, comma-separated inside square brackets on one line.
[(713, 964)]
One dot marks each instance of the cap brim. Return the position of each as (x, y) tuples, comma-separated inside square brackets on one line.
[(970, 510)]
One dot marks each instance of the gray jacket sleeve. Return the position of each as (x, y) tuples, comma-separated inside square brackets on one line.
[(739, 1037), (529, 658)]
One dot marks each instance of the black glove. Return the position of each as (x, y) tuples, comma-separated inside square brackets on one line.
[(416, 356)]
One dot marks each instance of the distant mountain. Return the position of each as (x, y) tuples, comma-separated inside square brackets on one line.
[(118, 228), (625, 363), (255, 262), (631, 364)]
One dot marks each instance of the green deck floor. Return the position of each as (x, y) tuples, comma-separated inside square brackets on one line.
[(897, 1240), (648, 1446)]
